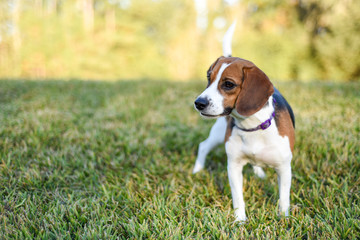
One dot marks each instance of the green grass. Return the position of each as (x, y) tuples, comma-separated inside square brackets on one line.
[(108, 160)]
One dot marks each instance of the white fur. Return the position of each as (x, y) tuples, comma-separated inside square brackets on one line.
[(259, 172), (216, 137), (215, 98), (259, 148), (257, 118), (227, 40)]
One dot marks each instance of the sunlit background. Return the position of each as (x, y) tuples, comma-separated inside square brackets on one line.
[(293, 40), (112, 158)]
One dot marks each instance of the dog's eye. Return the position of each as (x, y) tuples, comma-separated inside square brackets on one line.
[(228, 85)]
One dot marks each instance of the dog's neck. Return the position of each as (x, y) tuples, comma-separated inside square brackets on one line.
[(256, 119)]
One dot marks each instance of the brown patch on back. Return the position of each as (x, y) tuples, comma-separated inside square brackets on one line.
[(229, 128), (285, 127)]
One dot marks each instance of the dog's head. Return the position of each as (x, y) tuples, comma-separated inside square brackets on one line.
[(234, 83)]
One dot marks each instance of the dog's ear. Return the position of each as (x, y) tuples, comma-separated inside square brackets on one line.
[(256, 90)]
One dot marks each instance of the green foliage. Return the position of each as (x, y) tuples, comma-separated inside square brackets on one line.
[(107, 160), (339, 46), (307, 39), (289, 40)]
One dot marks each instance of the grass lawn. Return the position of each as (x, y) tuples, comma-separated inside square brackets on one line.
[(108, 160)]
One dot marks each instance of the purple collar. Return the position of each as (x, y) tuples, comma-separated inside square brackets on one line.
[(264, 125)]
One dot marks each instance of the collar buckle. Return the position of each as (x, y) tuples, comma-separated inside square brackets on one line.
[(265, 124)]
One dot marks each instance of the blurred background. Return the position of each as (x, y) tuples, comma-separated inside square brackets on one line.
[(290, 40)]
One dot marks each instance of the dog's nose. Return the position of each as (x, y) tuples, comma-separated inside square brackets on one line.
[(201, 103)]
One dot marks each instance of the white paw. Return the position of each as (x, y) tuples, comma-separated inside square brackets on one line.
[(284, 211), (259, 172), (240, 220), (240, 216), (197, 168)]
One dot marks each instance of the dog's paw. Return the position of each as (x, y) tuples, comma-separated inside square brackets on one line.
[(240, 216), (197, 168), (259, 172), (240, 220), (284, 212)]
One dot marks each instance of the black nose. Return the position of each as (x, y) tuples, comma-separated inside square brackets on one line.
[(201, 103)]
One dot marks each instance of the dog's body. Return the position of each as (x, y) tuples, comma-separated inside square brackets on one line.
[(255, 122)]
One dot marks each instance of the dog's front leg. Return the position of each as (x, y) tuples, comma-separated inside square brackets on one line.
[(284, 179), (216, 137), (235, 169)]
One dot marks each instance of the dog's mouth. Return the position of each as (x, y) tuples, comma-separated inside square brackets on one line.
[(210, 116), (226, 112)]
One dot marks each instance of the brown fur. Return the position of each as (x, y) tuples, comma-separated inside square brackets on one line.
[(229, 128), (255, 91), (253, 87), (285, 127)]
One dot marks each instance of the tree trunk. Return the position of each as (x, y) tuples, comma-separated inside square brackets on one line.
[(110, 19), (88, 15), (51, 6), (15, 20)]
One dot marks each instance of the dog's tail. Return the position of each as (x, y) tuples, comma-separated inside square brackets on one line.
[(227, 40)]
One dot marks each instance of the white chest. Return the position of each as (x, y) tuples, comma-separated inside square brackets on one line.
[(260, 148)]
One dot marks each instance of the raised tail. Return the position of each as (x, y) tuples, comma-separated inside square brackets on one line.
[(227, 40)]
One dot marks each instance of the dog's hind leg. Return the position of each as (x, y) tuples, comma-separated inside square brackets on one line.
[(216, 137), (259, 172)]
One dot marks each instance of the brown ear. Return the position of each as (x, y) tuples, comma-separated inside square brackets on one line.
[(256, 90)]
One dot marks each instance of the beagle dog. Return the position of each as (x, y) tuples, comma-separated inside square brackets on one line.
[(253, 119)]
